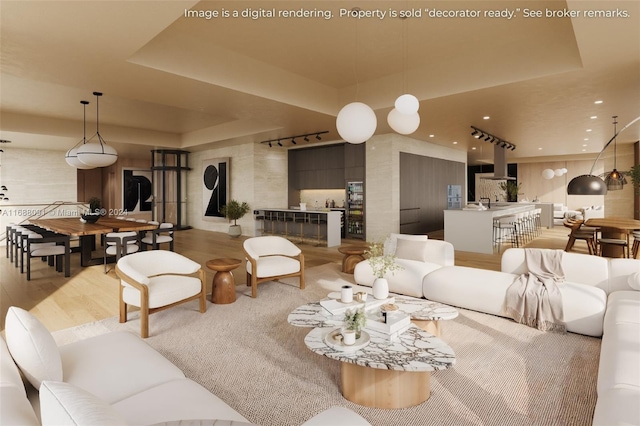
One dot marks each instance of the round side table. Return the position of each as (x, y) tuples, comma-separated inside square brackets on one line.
[(352, 256), (223, 287)]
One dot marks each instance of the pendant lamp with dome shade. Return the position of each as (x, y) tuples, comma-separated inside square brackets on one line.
[(594, 185), (97, 154), (72, 155)]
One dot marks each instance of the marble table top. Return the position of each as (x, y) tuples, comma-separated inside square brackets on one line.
[(413, 350), (314, 315)]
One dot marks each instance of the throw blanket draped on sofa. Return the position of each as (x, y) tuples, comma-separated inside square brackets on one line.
[(534, 297)]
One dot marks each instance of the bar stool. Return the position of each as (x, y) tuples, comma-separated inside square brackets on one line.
[(505, 225), (270, 217), (317, 219), (300, 218)]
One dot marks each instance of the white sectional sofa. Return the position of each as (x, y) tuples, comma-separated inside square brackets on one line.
[(601, 297), (417, 255), (111, 379)]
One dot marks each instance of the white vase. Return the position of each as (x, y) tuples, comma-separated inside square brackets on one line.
[(380, 288)]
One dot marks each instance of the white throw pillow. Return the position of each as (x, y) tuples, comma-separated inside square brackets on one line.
[(32, 347), (411, 249), (64, 404), (634, 281)]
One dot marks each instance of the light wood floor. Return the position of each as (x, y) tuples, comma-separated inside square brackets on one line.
[(91, 295)]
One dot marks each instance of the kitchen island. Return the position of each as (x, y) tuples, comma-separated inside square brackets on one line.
[(320, 227), (472, 230)]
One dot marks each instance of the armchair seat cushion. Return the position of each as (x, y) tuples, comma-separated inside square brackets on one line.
[(273, 266), (159, 239), (164, 290)]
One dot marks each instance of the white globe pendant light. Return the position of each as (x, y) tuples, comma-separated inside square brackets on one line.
[(548, 174), (97, 154), (403, 123), (356, 122), (558, 172), (407, 104)]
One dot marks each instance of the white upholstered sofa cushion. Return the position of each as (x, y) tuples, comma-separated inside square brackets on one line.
[(14, 405), (179, 399), (146, 264), (32, 347), (617, 407), (133, 366), (65, 404), (484, 291)]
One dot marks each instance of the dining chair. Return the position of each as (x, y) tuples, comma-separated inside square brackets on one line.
[(578, 232), (47, 245), (163, 234), (120, 244)]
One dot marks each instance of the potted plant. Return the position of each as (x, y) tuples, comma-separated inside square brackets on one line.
[(95, 210), (511, 188), (355, 319), (380, 263), (235, 210)]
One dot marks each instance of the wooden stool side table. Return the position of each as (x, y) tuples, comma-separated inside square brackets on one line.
[(352, 256), (223, 286)]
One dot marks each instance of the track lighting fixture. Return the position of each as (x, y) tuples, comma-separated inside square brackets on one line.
[(304, 136), (488, 137)]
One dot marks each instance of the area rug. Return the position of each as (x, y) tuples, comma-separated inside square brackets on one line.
[(247, 354)]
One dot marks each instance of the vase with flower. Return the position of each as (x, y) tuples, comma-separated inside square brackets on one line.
[(380, 263)]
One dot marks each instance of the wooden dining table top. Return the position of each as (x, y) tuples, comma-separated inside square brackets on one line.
[(74, 227), (621, 223)]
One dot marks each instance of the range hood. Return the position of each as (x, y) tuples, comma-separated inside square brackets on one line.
[(499, 164)]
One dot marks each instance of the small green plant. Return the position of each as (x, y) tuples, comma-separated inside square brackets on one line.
[(511, 188), (355, 319), (95, 205), (380, 263), (235, 210)]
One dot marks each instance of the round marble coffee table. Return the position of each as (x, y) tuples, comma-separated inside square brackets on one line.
[(391, 371), (425, 313)]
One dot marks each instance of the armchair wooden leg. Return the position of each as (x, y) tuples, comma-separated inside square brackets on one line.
[(254, 286), (123, 308), (203, 293)]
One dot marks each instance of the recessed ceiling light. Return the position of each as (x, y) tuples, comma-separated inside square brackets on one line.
[(584, 150), (455, 142), (539, 149), (593, 117), (431, 136), (584, 144), (598, 102), (486, 117), (586, 139), (473, 148), (588, 130)]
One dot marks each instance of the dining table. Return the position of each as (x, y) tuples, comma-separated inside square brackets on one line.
[(86, 232), (615, 228)]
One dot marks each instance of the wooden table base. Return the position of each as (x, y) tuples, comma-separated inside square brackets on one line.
[(377, 388), (432, 327)]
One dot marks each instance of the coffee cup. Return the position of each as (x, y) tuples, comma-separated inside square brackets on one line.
[(346, 294), (348, 337)]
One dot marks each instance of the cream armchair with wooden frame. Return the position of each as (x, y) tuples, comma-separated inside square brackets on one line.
[(270, 258), (156, 280)]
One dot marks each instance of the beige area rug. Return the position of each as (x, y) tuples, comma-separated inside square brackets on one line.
[(247, 354)]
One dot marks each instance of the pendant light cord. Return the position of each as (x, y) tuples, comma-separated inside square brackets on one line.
[(611, 140)]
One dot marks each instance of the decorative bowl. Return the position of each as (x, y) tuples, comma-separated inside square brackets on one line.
[(91, 218)]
